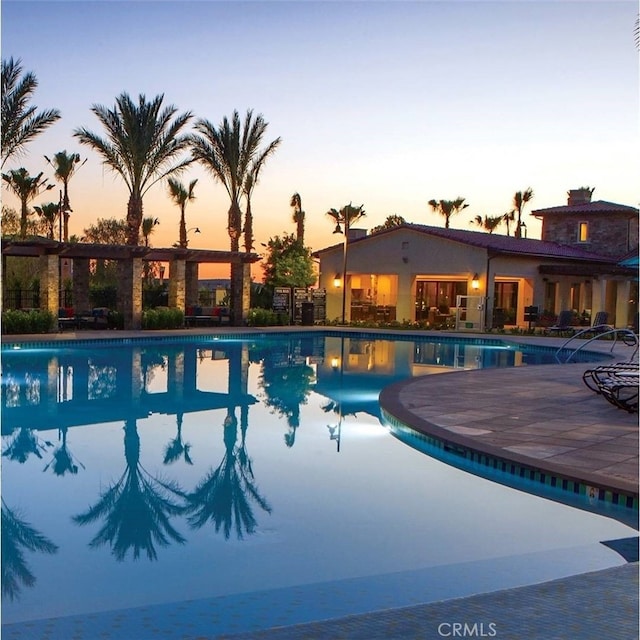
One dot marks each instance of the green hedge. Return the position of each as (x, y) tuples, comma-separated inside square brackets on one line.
[(266, 318), (163, 318), (34, 321)]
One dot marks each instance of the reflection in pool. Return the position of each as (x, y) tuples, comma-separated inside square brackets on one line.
[(167, 471)]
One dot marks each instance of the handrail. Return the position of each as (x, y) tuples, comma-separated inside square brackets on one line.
[(628, 337)]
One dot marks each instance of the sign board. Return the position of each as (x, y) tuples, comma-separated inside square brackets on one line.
[(299, 296), (319, 297), (282, 300)]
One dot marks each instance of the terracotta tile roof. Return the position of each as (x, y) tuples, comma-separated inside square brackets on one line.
[(599, 206), (493, 242)]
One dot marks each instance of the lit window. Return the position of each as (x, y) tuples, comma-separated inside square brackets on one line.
[(583, 233)]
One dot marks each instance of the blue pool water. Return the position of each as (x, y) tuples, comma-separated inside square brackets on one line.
[(243, 472)]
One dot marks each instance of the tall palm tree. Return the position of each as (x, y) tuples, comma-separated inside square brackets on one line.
[(488, 223), (448, 208), (20, 122), (65, 166), (148, 225), (249, 185), (298, 216), (26, 187), (143, 146), (181, 195), (49, 213), (228, 152), (347, 215), (519, 200)]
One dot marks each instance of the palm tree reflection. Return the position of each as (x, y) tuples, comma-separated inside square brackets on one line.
[(224, 496), (177, 449), (136, 509), (24, 443), (17, 536), (63, 460)]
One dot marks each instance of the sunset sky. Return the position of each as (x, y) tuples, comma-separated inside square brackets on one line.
[(385, 104)]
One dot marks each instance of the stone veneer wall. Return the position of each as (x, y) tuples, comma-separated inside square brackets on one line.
[(610, 234)]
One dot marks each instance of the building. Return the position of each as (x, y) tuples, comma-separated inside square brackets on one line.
[(475, 280)]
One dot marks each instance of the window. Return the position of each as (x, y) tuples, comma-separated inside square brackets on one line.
[(437, 295), (583, 232), (506, 299)]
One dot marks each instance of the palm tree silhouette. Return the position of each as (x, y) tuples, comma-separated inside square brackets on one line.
[(63, 460), (447, 208), (26, 188), (298, 216), (519, 200), (143, 144), (136, 509), (17, 536), (225, 494), (181, 195)]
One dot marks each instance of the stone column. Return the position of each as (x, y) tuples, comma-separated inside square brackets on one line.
[(177, 284), (191, 283), (622, 305), (81, 285), (564, 294), (49, 284), (246, 292), (130, 291)]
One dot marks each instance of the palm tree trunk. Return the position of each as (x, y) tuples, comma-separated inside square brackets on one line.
[(24, 214), (248, 228), (183, 228), (234, 226), (300, 229), (65, 213), (134, 219)]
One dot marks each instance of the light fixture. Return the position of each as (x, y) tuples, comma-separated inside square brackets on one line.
[(338, 229), (337, 280), (335, 362), (475, 282)]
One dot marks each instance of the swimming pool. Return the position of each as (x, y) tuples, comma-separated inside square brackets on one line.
[(252, 470)]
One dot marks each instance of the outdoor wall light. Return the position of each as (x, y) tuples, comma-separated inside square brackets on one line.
[(475, 282), (335, 362), (337, 280)]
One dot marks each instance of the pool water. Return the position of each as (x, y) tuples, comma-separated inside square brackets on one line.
[(168, 471)]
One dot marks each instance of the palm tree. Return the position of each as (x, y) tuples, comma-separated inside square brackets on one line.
[(181, 196), (65, 166), (392, 221), (519, 200), (249, 185), (229, 153), (447, 208), (298, 216), (488, 223), (148, 225), (508, 218), (20, 122), (346, 216), (26, 187), (143, 145), (49, 213)]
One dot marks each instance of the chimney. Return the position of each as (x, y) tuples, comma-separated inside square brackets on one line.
[(580, 196), (356, 234)]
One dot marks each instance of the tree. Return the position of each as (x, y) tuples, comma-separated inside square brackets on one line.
[(488, 223), (26, 187), (228, 152), (519, 200), (148, 225), (391, 222), (10, 224), (20, 122), (346, 216), (65, 166), (287, 263), (181, 196), (49, 214), (298, 216), (508, 218), (106, 231), (249, 185), (143, 145), (448, 208)]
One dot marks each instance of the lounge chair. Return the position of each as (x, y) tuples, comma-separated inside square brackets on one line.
[(600, 324), (563, 323), (618, 384)]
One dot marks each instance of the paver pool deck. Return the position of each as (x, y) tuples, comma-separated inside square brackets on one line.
[(540, 416)]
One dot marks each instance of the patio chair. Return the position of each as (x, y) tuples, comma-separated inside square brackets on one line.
[(617, 383), (594, 378), (599, 324), (563, 323)]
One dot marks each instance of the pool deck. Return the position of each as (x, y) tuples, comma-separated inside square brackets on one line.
[(538, 416)]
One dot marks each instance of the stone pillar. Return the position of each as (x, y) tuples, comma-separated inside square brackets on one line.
[(406, 298), (81, 284), (130, 291), (246, 292), (177, 284), (622, 320), (49, 283), (564, 295), (191, 283)]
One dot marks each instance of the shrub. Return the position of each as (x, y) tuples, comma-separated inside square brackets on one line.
[(266, 318), (34, 321), (163, 318)]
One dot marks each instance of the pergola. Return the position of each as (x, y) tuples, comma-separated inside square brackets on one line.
[(183, 273)]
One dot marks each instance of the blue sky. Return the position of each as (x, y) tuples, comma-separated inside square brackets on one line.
[(386, 104)]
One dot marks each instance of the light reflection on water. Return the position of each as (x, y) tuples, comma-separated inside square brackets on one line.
[(145, 474)]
